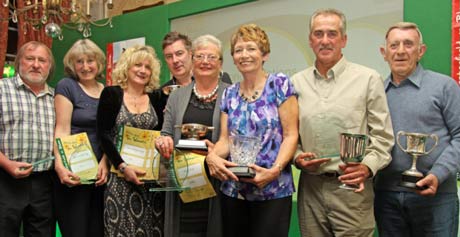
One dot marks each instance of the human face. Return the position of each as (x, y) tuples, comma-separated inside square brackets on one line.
[(402, 52), (179, 59), (326, 40), (139, 73), (34, 66), (248, 57), (85, 67), (207, 62)]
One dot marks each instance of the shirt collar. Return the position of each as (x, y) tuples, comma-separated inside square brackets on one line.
[(20, 83), (415, 78), (334, 72)]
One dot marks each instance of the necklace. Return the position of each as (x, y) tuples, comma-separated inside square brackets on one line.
[(134, 99), (250, 98), (205, 97)]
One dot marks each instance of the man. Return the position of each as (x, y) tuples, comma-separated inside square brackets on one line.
[(337, 96), (178, 56), (420, 101), (27, 121)]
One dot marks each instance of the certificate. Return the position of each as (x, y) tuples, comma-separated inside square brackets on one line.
[(137, 148), (191, 173), (78, 156)]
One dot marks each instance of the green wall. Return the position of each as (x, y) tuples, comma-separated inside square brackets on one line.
[(152, 23), (433, 18)]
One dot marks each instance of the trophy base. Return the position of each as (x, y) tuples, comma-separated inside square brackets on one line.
[(409, 181), (243, 171), (191, 144)]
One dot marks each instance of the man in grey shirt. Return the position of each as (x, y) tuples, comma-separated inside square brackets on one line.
[(420, 101)]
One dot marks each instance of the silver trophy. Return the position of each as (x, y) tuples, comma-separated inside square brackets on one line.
[(243, 151), (170, 178), (193, 133), (352, 150), (415, 143)]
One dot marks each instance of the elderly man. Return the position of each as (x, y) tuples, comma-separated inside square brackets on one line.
[(27, 121), (337, 96), (420, 101)]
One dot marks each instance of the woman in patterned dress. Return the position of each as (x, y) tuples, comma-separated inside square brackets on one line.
[(130, 209), (262, 105)]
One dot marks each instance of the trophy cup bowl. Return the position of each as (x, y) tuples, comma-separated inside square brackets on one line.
[(415, 146), (243, 151), (193, 134), (352, 151), (168, 89)]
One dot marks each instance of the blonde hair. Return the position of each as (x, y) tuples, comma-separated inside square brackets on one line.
[(84, 47), (251, 32), (132, 56)]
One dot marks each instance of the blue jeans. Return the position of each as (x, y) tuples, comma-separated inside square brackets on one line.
[(409, 214)]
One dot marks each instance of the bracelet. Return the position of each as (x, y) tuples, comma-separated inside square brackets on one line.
[(280, 168), (123, 167)]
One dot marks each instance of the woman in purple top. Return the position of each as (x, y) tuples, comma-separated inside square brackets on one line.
[(262, 105), (79, 207)]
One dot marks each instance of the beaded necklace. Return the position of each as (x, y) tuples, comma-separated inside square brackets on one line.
[(205, 97)]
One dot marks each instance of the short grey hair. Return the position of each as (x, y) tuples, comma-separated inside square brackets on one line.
[(405, 26), (204, 40), (330, 11)]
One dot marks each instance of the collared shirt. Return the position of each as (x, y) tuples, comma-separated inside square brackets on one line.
[(351, 99), (26, 123), (426, 102)]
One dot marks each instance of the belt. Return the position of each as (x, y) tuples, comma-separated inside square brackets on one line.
[(330, 174)]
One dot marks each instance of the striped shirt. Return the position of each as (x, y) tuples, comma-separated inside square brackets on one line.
[(26, 123)]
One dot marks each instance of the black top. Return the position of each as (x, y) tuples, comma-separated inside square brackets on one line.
[(109, 106)]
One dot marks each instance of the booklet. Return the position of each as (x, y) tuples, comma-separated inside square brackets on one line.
[(191, 173), (137, 148), (78, 156)]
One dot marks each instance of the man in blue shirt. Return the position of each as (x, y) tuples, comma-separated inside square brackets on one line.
[(420, 101)]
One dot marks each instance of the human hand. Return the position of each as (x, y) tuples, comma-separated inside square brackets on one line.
[(430, 185), (102, 173), (131, 175), (263, 175), (354, 173), (18, 170), (218, 167), (66, 176), (308, 161), (164, 145)]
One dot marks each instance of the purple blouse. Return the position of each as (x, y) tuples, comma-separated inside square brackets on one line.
[(260, 118)]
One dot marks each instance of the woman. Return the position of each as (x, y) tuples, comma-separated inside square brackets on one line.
[(262, 105), (196, 103), (130, 209), (79, 208)]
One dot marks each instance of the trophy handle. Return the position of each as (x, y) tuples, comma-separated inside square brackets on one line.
[(435, 138), (402, 133)]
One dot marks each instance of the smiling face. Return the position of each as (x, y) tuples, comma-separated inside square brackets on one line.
[(248, 57), (139, 73), (402, 52), (327, 40), (86, 67), (34, 66), (207, 62), (179, 59)]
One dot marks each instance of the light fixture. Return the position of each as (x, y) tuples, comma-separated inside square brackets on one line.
[(54, 15)]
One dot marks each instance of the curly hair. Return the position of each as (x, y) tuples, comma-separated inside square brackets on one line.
[(132, 56), (251, 32), (80, 48)]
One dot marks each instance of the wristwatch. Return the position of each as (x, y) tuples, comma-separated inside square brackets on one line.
[(122, 167)]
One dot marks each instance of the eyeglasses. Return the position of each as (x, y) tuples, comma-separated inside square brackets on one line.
[(202, 57)]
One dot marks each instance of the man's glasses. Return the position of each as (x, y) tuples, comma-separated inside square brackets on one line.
[(209, 57)]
